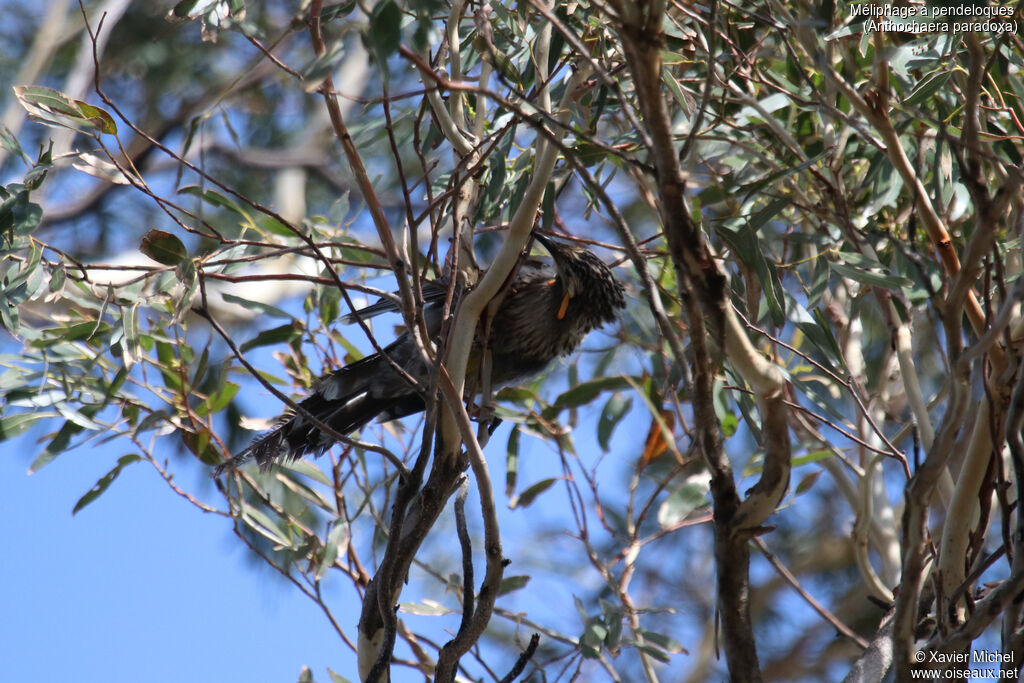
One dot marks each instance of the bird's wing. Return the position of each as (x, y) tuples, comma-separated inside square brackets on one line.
[(433, 290)]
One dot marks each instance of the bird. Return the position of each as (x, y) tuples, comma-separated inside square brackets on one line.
[(545, 314)]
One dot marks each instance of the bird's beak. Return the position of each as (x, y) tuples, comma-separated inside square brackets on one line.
[(545, 242), (568, 282), (553, 248)]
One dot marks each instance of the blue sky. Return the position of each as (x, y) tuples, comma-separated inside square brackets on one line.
[(141, 586)]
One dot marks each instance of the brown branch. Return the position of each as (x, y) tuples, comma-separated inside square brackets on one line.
[(471, 629), (815, 605), (703, 291)]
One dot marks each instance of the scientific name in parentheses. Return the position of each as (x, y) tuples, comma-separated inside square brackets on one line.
[(974, 656)]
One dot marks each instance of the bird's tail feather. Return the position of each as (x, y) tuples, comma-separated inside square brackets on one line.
[(344, 400)]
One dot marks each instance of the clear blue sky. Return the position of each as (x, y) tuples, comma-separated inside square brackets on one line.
[(141, 586)]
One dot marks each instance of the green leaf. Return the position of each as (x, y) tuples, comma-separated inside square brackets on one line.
[(265, 309), (812, 456), (100, 118), (682, 502), (869, 277), (594, 633), (9, 142), (614, 410), (310, 494), (774, 178), (339, 209), (548, 215), (18, 216), (310, 470), (214, 198), (818, 332), (198, 441), (330, 305), (807, 481), (261, 523), (163, 247), (186, 274), (613, 619), (496, 184), (927, 87), (13, 425), (320, 68), (79, 331), (72, 415), (512, 462), (27, 270), (666, 643), (742, 241), (57, 279), (721, 404), (57, 445), (337, 544), (131, 350), (385, 30), (761, 218), (105, 481), (337, 11), (169, 366), (154, 420), (730, 424), (337, 678), (271, 337), (653, 651), (427, 607), (585, 392), (37, 174), (505, 66), (218, 401), (530, 494), (54, 108), (215, 16), (522, 395), (512, 583), (101, 168), (686, 102), (190, 9), (276, 227)]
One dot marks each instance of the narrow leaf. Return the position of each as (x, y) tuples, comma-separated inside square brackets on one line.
[(614, 410), (428, 608), (530, 494), (271, 337), (105, 481), (13, 425), (101, 168), (337, 678), (512, 462), (512, 583), (869, 277), (807, 481), (321, 67), (248, 304), (666, 643), (585, 392)]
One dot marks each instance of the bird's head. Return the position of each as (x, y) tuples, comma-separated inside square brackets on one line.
[(587, 281)]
